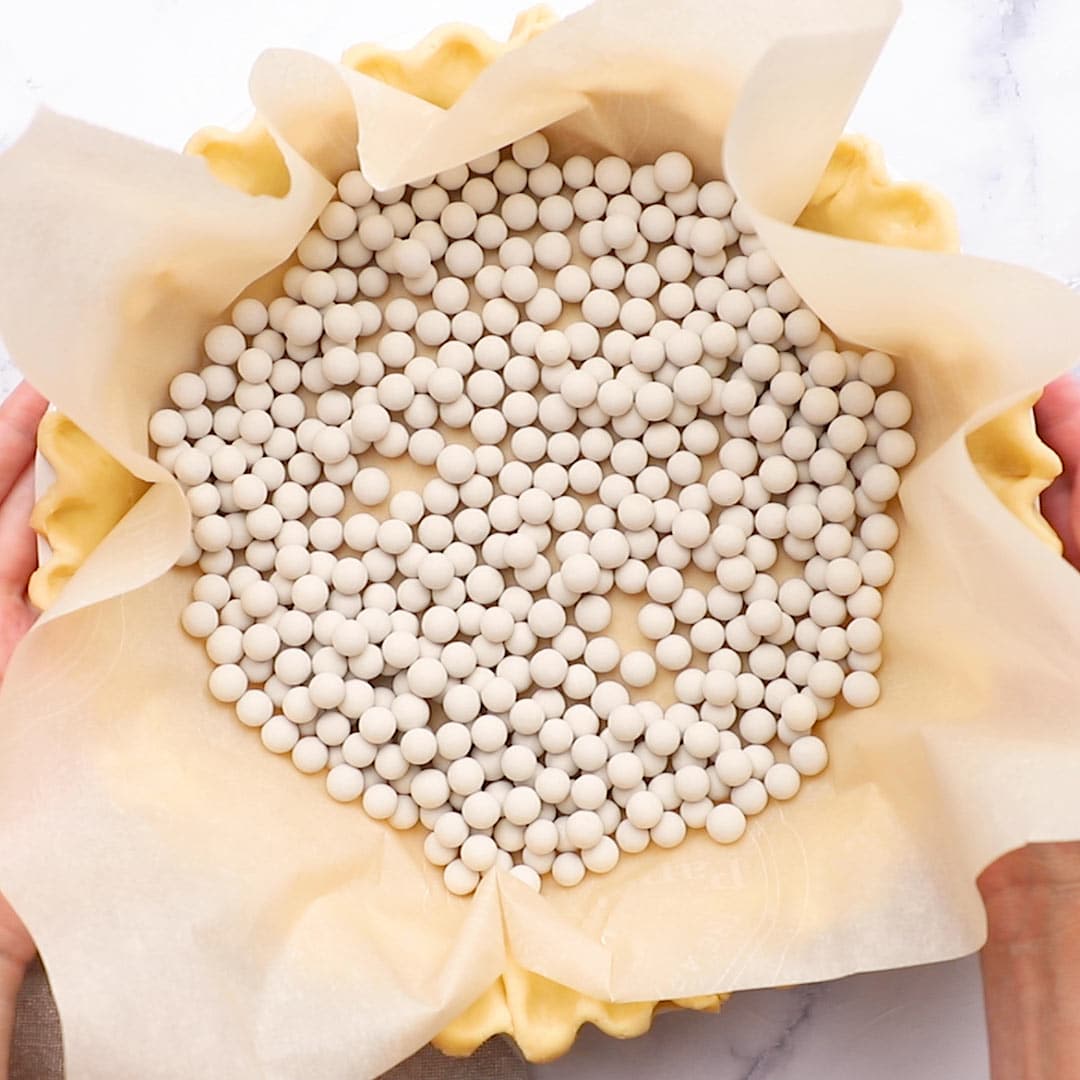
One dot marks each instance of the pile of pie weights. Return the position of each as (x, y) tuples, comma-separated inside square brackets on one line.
[(606, 390)]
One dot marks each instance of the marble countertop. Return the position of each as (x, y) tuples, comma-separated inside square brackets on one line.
[(977, 99)]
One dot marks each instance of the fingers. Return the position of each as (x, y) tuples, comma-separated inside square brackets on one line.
[(18, 542), (1059, 508), (19, 418), (16, 944), (22, 411), (1057, 416)]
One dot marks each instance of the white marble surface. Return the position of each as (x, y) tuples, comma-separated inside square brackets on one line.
[(977, 97), (924, 1023)]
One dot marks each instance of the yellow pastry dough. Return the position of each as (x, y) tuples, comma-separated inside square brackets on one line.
[(1017, 466), (543, 1017), (854, 199), (91, 493), (444, 64)]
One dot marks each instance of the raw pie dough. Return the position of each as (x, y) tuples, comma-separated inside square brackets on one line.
[(855, 199)]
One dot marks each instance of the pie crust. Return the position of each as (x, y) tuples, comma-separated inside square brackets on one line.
[(855, 199)]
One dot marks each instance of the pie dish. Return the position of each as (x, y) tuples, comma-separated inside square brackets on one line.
[(854, 199)]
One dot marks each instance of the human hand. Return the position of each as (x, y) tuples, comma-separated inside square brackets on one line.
[(1057, 417), (1031, 962), (16, 951), (19, 417)]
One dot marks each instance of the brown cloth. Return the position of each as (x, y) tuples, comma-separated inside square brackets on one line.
[(38, 1051)]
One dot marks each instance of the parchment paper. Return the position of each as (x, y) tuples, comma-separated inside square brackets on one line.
[(204, 909)]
